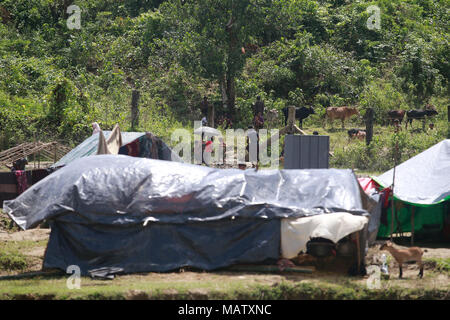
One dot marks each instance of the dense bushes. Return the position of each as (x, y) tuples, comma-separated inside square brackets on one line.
[(379, 155), (54, 82)]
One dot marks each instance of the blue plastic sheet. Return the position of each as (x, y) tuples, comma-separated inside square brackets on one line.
[(144, 215)]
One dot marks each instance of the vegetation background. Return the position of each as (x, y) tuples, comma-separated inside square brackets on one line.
[(54, 82)]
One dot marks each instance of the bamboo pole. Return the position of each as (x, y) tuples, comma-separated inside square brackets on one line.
[(393, 180), (34, 156), (412, 224)]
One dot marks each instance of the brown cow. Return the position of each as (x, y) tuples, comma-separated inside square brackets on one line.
[(396, 115), (341, 113)]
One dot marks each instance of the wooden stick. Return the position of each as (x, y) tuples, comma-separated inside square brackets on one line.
[(269, 268), (393, 182), (412, 225), (392, 216), (359, 251)]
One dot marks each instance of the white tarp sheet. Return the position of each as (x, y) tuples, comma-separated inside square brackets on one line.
[(423, 179), (296, 232)]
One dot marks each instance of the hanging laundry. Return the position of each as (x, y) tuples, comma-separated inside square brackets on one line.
[(21, 178)]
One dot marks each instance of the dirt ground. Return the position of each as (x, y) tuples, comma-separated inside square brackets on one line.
[(28, 235), (31, 245), (373, 256)]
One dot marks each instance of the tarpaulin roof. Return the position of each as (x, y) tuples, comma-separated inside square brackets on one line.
[(149, 215), (89, 147), (423, 179), (120, 189)]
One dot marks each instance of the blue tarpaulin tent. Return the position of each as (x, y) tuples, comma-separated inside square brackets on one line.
[(140, 215), (89, 147)]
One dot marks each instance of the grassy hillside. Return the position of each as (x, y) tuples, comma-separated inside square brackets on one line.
[(55, 81)]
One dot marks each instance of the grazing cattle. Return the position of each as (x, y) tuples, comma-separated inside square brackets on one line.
[(357, 133), (300, 113), (341, 113), (418, 114), (396, 115)]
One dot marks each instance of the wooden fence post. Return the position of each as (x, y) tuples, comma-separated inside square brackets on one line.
[(134, 109), (369, 125), (448, 120), (291, 116)]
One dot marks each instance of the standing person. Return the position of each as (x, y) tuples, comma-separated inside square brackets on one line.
[(18, 165), (258, 121), (258, 113), (207, 111), (204, 107), (229, 121), (258, 106)]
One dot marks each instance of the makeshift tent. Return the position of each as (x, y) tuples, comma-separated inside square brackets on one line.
[(422, 185), (370, 188), (136, 144), (11, 185), (140, 215)]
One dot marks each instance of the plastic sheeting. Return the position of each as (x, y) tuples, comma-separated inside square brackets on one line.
[(193, 215), (89, 147), (162, 247), (368, 185), (423, 179), (370, 188), (295, 233)]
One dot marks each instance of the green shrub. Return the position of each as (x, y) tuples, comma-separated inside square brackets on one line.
[(379, 155)]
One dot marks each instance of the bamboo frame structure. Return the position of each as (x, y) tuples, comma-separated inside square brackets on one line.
[(51, 150)]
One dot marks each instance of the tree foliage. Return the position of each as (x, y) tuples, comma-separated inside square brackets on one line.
[(55, 81)]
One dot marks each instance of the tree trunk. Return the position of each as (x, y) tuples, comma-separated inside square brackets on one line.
[(223, 89), (230, 81), (231, 93), (369, 125), (228, 89)]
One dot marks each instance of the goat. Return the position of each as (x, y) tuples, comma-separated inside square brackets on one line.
[(405, 255)]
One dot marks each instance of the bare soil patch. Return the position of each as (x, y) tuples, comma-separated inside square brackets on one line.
[(27, 235)]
